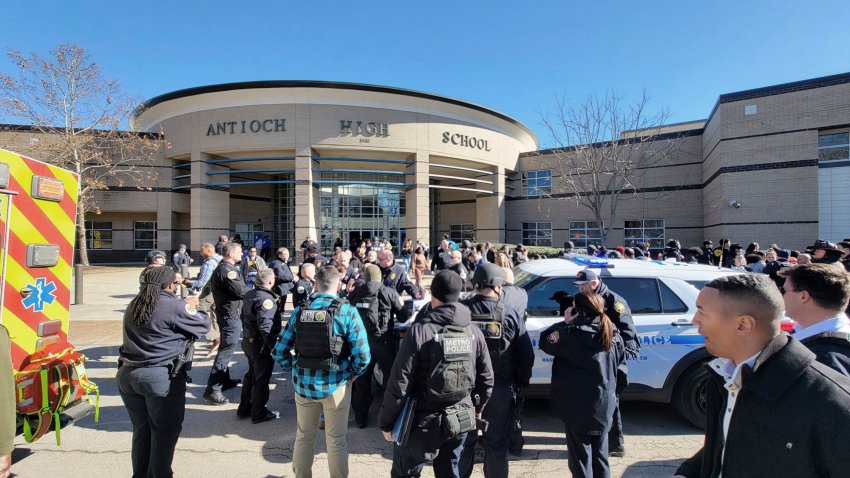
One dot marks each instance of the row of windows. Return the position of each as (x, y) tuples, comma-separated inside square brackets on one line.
[(584, 233), (834, 146), (644, 295), (99, 235)]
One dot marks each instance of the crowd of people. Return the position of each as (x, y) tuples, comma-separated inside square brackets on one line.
[(467, 356)]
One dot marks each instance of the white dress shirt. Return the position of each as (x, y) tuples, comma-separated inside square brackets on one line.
[(839, 323)]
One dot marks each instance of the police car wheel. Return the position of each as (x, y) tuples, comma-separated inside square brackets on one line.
[(689, 395)]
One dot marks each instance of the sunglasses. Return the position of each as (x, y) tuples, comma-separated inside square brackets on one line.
[(783, 290)]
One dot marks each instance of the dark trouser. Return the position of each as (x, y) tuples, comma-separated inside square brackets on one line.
[(405, 464), (615, 435), (497, 438), (373, 382), (156, 406), (588, 454), (230, 329), (255, 384)]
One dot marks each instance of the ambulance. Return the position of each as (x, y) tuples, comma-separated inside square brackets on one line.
[(38, 210)]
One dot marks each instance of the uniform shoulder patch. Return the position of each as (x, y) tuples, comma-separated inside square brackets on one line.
[(268, 304), (300, 289), (619, 307), (318, 264), (463, 275), (554, 337), (190, 309), (232, 275)]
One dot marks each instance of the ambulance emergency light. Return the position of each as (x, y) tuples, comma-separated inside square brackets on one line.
[(47, 188)]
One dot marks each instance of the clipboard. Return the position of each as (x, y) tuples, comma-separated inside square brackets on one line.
[(404, 421)]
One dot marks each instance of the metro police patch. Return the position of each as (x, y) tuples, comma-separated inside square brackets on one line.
[(268, 304), (232, 275), (619, 307), (300, 289), (392, 276), (190, 309)]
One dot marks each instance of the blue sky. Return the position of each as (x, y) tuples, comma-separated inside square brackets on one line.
[(515, 57)]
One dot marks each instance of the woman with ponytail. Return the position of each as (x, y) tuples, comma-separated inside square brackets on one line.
[(158, 327), (587, 348)]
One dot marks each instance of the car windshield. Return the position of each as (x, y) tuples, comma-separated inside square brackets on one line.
[(523, 277)]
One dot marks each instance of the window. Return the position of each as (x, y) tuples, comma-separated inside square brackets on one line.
[(99, 234), (834, 146), (641, 294), (645, 230), (537, 233), (144, 235), (583, 233), (671, 302), (537, 183), (540, 303), (461, 232)]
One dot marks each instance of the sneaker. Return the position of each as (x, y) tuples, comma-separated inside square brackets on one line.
[(269, 416), (216, 398), (618, 452), (227, 385)]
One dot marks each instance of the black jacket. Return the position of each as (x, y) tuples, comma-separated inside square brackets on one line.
[(318, 261), (284, 279), (791, 418), (228, 288), (260, 317), (395, 277), (412, 364), (518, 356), (619, 312), (584, 375), (172, 324), (390, 307), (831, 349), (440, 260), (462, 271)]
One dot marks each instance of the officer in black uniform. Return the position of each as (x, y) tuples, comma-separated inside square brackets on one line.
[(618, 311), (158, 328), (456, 266), (444, 343), (441, 257), (305, 285), (379, 307), (285, 281), (228, 288), (512, 356), (260, 329), (395, 277), (312, 256)]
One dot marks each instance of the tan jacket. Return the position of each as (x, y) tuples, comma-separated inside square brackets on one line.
[(7, 395)]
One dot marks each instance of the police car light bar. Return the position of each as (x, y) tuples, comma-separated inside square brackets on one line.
[(590, 261)]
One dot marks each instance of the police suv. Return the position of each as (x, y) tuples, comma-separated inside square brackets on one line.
[(662, 297)]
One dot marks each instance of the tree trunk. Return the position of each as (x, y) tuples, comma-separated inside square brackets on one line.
[(83, 256)]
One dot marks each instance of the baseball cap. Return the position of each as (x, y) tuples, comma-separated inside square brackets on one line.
[(446, 286), (312, 248), (586, 276), (154, 254), (487, 275)]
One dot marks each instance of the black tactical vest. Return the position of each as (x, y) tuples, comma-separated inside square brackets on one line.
[(316, 346), (451, 373), (370, 313), (491, 324)]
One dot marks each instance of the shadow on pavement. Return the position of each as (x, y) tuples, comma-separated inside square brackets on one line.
[(652, 468)]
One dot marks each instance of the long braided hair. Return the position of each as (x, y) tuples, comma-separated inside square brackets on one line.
[(154, 281)]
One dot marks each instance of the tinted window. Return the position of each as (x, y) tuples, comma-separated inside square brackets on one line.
[(539, 302), (641, 294), (671, 302)]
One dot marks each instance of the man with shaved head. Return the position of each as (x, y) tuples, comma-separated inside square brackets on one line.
[(771, 408), (395, 276)]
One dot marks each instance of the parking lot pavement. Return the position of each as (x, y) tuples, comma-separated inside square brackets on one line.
[(215, 442)]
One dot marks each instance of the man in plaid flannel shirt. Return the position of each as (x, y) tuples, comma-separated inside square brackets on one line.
[(327, 391)]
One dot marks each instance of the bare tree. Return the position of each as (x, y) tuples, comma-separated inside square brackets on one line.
[(80, 113), (604, 147)]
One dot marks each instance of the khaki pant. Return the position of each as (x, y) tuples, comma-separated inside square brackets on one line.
[(206, 304), (335, 407)]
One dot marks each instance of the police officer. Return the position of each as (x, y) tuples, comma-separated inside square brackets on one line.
[(158, 328), (441, 344), (304, 287), (284, 280), (618, 311), (227, 288), (312, 256), (456, 266), (395, 277), (825, 252), (512, 356), (441, 257), (260, 329), (379, 307), (155, 258), (331, 351)]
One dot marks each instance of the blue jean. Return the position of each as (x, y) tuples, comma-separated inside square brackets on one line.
[(445, 464), (406, 260), (156, 406)]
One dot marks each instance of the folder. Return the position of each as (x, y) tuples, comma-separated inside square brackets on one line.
[(404, 421)]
